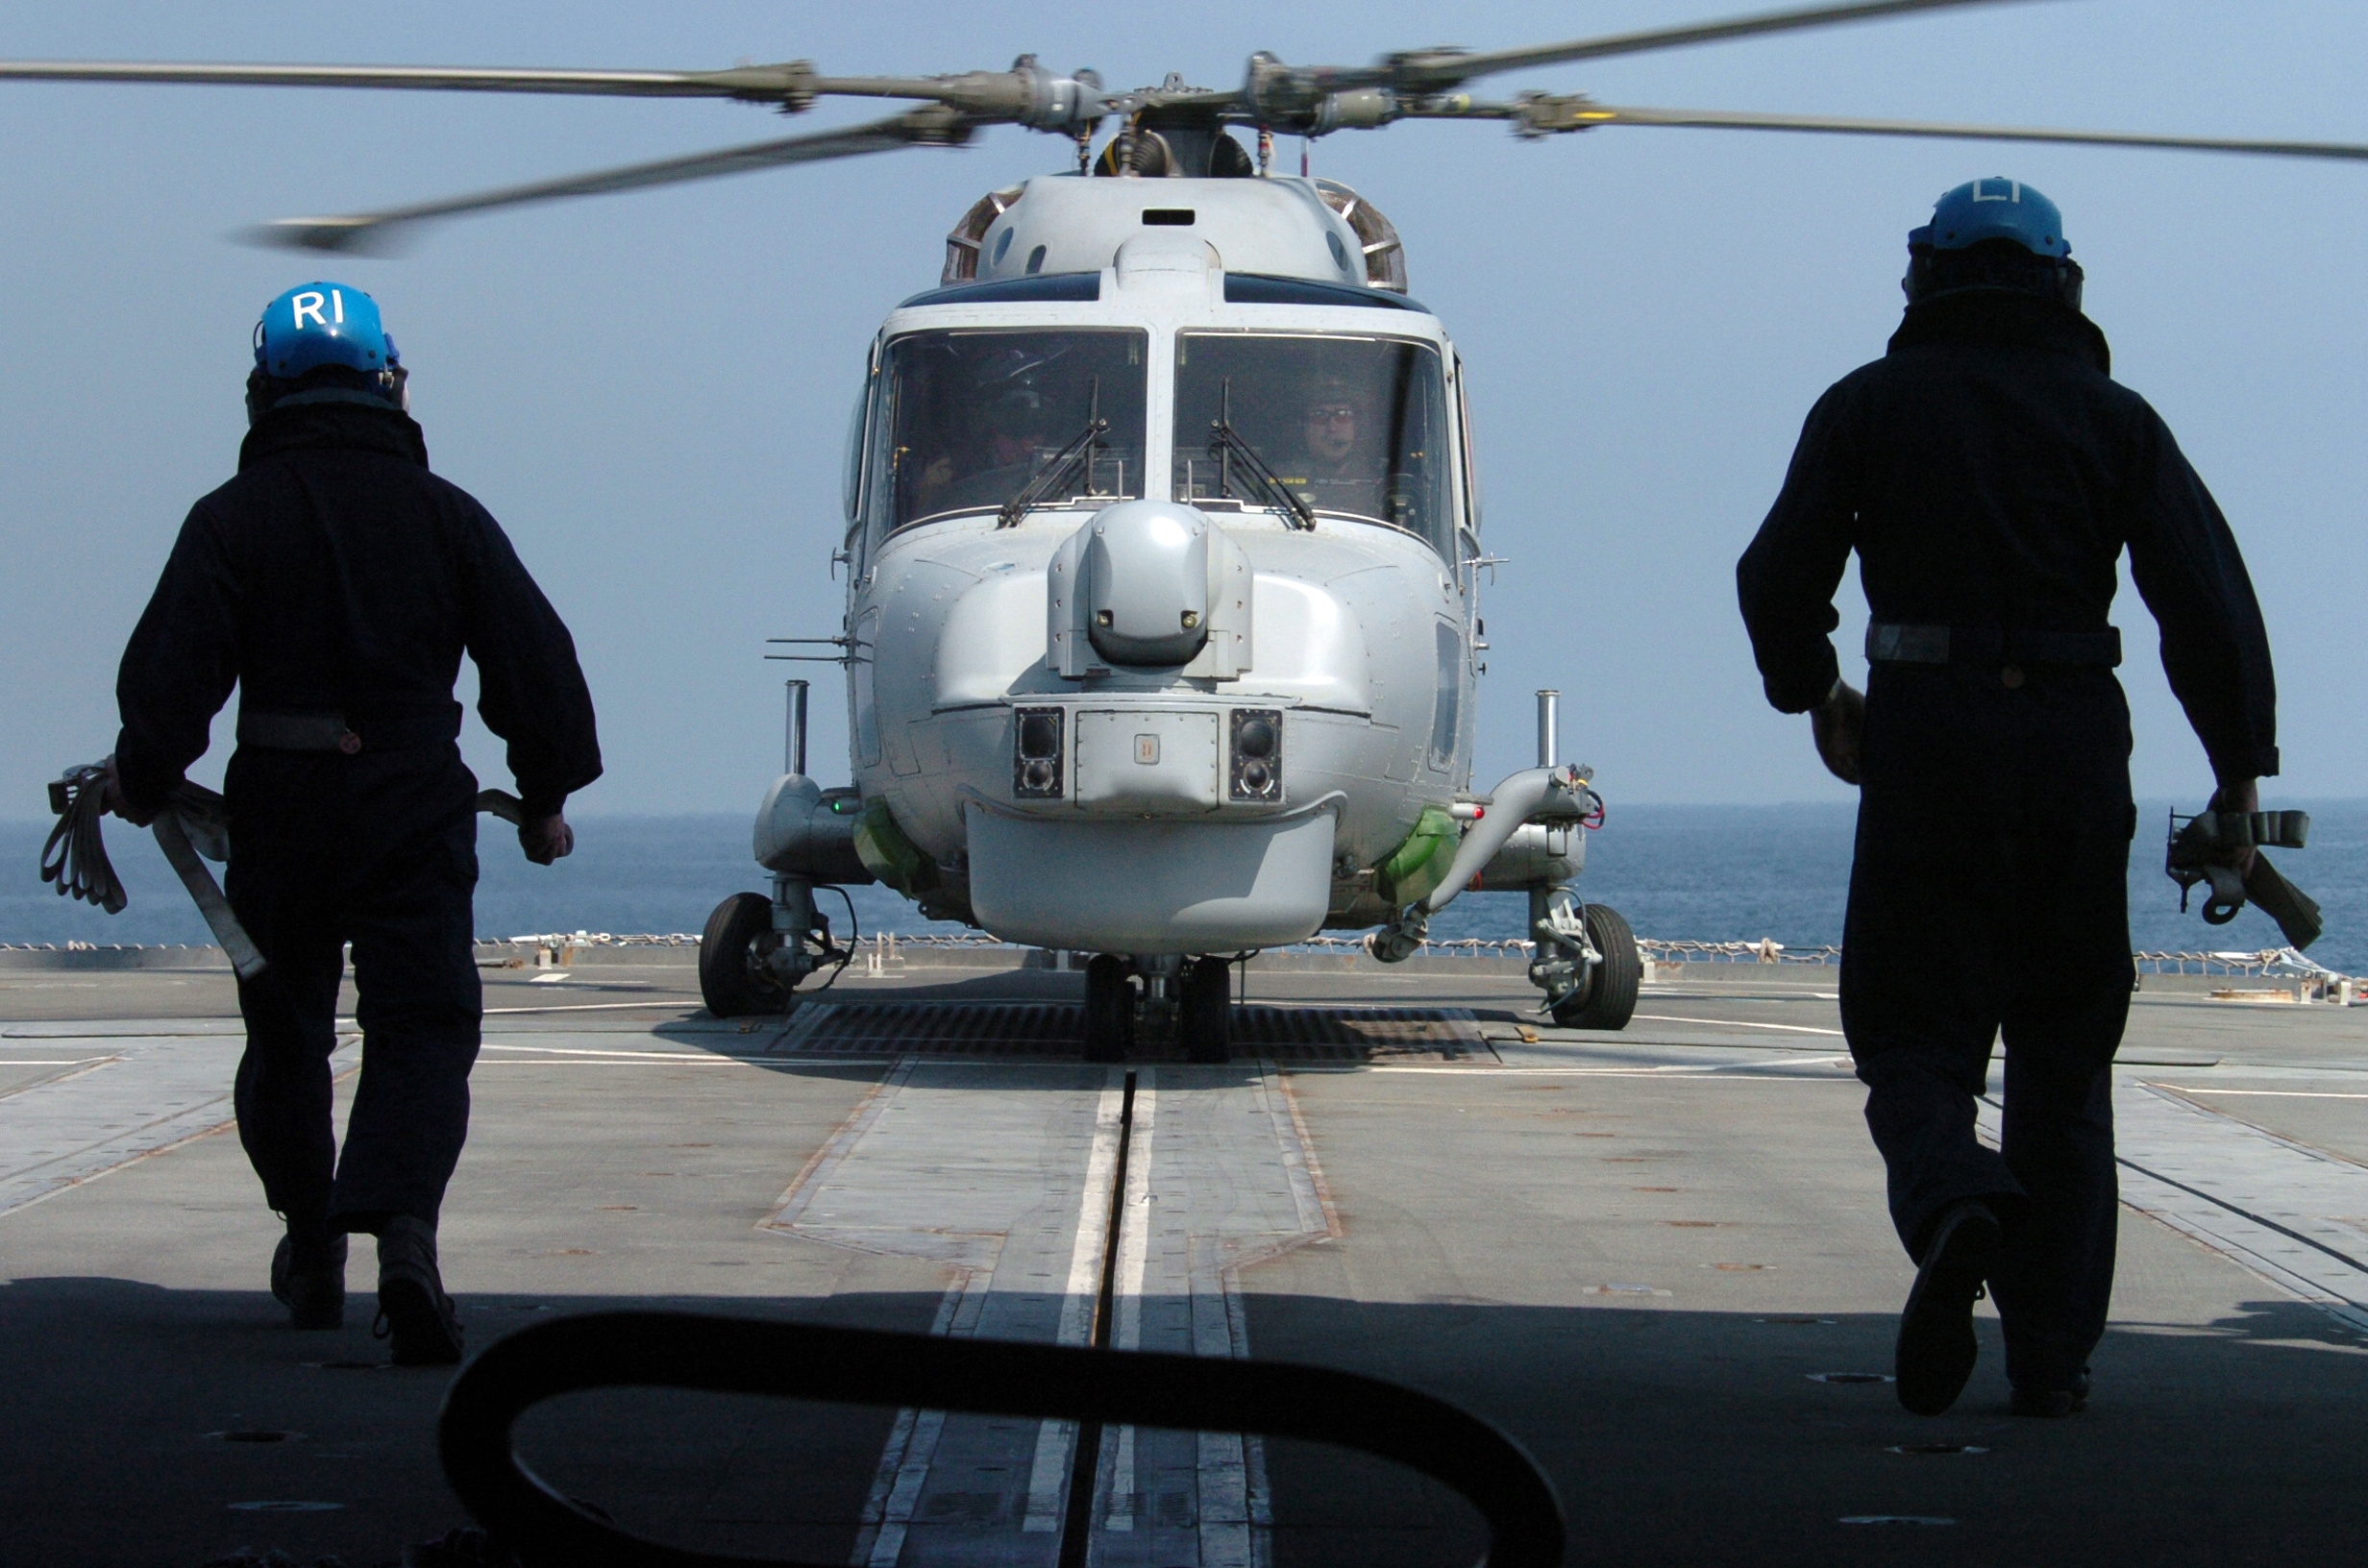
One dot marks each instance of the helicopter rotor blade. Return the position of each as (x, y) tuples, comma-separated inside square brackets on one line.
[(379, 233), (1317, 99), (1026, 95), (1429, 70), (768, 84), (1540, 115)]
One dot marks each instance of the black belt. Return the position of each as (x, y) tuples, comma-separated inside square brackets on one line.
[(1888, 641), (335, 732)]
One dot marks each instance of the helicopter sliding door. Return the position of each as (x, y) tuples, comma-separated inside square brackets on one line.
[(973, 417), (1358, 427)]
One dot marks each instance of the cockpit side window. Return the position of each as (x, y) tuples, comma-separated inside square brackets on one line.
[(971, 417), (1357, 427)]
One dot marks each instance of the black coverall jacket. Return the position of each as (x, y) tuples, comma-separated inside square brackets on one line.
[(1990, 473), (336, 575)]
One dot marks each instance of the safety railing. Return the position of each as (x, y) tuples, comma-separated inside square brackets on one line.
[(862, 1367)]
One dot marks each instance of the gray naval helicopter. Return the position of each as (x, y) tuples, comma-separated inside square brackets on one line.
[(1162, 622)]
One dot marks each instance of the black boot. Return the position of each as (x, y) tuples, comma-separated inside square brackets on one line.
[(307, 1277), (413, 1310), (2053, 1404), (1937, 1347)]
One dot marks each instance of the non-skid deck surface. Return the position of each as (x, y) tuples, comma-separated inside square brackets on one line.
[(1053, 1030)]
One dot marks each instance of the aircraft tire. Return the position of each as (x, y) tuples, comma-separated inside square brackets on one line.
[(733, 980), (1205, 1010), (1109, 1007), (1609, 998)]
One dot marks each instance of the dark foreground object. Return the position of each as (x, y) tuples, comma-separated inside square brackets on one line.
[(1936, 1345), (869, 1366)]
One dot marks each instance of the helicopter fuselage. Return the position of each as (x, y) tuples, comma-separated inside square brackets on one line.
[(1152, 707)]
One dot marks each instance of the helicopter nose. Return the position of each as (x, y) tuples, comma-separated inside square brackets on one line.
[(1146, 584)]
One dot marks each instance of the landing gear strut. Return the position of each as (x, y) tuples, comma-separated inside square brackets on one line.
[(1204, 1010), (1196, 993), (1109, 1007)]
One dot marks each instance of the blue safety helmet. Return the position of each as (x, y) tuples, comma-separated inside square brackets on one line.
[(323, 324), (1994, 209), (1983, 212)]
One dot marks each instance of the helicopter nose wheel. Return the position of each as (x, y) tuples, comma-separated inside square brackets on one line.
[(1204, 1010), (1606, 998), (734, 980), (1109, 1007)]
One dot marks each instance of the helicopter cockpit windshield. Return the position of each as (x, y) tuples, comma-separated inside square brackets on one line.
[(974, 419), (1355, 426)]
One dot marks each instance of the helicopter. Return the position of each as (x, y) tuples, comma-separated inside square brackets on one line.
[(1163, 531)]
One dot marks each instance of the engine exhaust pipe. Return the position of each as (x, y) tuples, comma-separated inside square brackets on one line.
[(793, 739)]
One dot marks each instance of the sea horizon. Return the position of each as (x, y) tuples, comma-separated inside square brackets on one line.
[(1678, 873)]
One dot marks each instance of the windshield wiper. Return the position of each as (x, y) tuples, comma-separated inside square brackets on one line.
[(1065, 463), (1226, 444)]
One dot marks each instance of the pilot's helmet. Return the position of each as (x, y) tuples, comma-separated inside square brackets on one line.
[(1016, 410)]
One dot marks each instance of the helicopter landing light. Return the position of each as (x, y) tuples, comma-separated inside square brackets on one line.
[(1037, 753), (1257, 771)]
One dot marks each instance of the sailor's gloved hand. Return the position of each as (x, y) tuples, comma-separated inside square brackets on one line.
[(1840, 725), (2245, 794), (546, 838), (113, 799)]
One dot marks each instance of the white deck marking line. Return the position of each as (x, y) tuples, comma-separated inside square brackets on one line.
[(625, 1062), (587, 1055), (912, 1443), (677, 1003), (69, 1130), (993, 1176), (2268, 1204), (86, 1064), (1675, 1070), (1049, 1475), (1134, 1255), (1739, 1023), (2269, 1093)]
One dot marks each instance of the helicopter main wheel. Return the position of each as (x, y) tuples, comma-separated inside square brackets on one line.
[(733, 980), (1204, 1010), (1109, 1007), (1608, 998)]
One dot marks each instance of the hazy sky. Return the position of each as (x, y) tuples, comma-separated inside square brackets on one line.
[(651, 390)]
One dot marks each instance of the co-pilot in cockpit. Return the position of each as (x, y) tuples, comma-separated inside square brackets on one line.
[(974, 417)]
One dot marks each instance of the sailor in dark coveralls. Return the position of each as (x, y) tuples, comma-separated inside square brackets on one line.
[(1988, 473), (336, 583)]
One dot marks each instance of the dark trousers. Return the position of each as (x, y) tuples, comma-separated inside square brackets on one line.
[(1988, 900), (380, 852)]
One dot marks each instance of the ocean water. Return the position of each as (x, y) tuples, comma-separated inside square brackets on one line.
[(1701, 873)]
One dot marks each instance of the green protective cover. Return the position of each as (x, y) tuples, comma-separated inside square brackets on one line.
[(1418, 866), (889, 855)]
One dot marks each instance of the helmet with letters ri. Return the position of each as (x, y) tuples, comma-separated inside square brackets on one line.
[(324, 342)]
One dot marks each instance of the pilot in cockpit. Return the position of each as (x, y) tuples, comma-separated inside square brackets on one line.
[(1013, 437), (1339, 465)]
